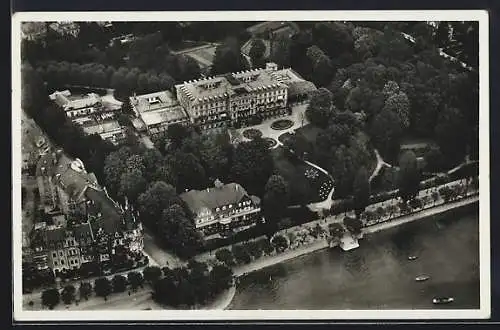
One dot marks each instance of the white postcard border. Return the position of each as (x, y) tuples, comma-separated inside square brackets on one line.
[(270, 315)]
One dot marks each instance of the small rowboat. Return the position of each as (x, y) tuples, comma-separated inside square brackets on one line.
[(442, 300), (422, 278)]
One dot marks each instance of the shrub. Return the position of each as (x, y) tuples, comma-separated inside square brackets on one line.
[(266, 246), (119, 283), (85, 290), (241, 254), (50, 298), (135, 279), (102, 287), (225, 256), (280, 243), (68, 294), (152, 274)]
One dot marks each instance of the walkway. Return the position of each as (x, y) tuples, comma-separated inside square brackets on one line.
[(193, 49), (298, 117), (159, 255), (328, 201), (441, 53), (421, 214), (380, 163)]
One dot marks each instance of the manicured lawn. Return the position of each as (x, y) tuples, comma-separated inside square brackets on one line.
[(282, 124), (304, 189)]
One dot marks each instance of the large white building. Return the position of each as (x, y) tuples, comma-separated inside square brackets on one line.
[(238, 98)]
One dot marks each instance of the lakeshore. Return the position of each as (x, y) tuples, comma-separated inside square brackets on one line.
[(323, 244), (378, 274), (142, 299)]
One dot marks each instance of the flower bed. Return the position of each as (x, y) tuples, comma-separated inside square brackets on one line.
[(252, 133), (281, 124), (270, 142)]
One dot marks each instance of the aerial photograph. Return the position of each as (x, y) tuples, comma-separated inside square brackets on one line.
[(249, 165)]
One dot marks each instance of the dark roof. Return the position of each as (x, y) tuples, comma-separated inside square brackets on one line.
[(55, 235), (82, 230), (214, 197), (110, 219), (73, 182)]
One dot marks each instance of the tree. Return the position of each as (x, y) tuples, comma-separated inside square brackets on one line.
[(102, 287), (276, 199), (252, 166), (323, 71), (241, 254), (280, 243), (386, 131), (434, 159), (225, 256), (265, 246), (132, 184), (178, 231), (189, 172), (361, 191), (280, 51), (409, 176), (354, 225), (135, 279), (450, 135), (119, 283), (114, 167), (221, 278), (152, 274), (257, 52), (334, 38), (228, 58), (176, 133), (68, 294), (320, 108), (400, 104), (154, 200), (50, 298), (85, 290), (336, 230)]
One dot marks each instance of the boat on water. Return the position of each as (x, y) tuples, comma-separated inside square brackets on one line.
[(442, 300), (412, 258), (422, 278)]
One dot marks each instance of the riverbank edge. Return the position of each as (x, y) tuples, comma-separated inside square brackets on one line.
[(316, 246)]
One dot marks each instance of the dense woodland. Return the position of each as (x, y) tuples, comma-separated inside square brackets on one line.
[(374, 88)]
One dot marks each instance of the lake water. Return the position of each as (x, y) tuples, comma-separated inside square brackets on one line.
[(378, 275)]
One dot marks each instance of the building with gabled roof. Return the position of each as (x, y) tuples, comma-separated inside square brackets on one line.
[(93, 225), (223, 209)]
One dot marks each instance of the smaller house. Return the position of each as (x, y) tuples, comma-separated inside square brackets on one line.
[(65, 28), (77, 106), (223, 209)]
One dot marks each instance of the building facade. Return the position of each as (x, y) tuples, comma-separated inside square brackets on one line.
[(85, 228), (242, 98), (223, 210), (91, 114), (155, 112), (233, 98)]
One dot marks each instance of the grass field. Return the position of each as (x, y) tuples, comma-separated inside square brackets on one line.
[(303, 190), (204, 56)]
